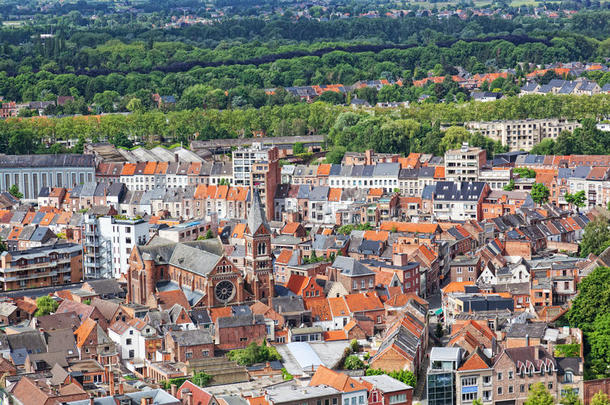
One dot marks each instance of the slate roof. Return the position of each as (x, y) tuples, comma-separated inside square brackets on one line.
[(351, 267), (192, 337), (59, 160), (256, 216), (466, 191)]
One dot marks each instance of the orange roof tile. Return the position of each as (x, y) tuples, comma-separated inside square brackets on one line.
[(128, 169), (474, 362), (338, 307), (56, 192), (260, 400), (323, 170), (376, 192), (194, 168), (363, 302), (421, 227), (28, 218), (46, 220), (161, 167), (334, 335), (14, 233), (334, 194), (320, 309), (428, 253), (439, 172), (200, 192), (290, 228), (221, 192), (220, 312), (167, 299), (150, 168), (381, 236), (339, 381), (284, 256), (211, 192), (456, 286), (238, 231), (84, 330)]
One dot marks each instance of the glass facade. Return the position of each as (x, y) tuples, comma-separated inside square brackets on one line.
[(441, 388)]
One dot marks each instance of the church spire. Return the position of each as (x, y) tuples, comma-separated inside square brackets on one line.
[(256, 216)]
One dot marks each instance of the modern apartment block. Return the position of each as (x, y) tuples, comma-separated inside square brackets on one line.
[(32, 172), (41, 267), (464, 164), (122, 234), (522, 134), (258, 167)]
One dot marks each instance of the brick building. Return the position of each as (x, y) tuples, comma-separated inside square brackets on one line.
[(41, 267), (189, 345)]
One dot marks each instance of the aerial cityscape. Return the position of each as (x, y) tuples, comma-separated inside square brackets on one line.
[(332, 202)]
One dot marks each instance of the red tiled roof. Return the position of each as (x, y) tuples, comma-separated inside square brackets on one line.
[(167, 299), (334, 335), (363, 302)]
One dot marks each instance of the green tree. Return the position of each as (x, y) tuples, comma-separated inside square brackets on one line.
[(14, 191), (510, 186), (298, 148), (577, 199), (404, 376), (201, 379), (592, 300), (46, 305), (525, 172), (596, 237), (453, 138), (570, 397), (335, 155), (332, 97), (600, 399), (539, 395), (3, 247), (540, 193), (353, 362), (477, 401), (254, 353), (209, 234)]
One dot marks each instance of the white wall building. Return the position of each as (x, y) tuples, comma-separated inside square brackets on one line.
[(122, 235)]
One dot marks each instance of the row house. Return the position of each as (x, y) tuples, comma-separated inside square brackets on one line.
[(146, 175), (459, 201), (382, 175)]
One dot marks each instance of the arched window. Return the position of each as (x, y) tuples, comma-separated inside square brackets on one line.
[(262, 248), (568, 377)]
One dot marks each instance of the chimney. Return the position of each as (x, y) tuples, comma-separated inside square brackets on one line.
[(527, 340), (91, 401), (121, 389), (536, 353), (174, 390), (176, 157)]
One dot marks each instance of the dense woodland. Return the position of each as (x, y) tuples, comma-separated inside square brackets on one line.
[(218, 74), (404, 130)]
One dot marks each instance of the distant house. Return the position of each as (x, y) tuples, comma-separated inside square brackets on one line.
[(485, 96), (61, 100), (164, 101)]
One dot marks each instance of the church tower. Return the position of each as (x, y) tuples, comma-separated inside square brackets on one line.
[(259, 268)]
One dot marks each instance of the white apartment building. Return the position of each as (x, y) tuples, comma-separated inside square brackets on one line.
[(464, 164), (522, 134), (244, 159), (497, 178), (122, 235)]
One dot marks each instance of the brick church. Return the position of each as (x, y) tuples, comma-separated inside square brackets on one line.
[(201, 269)]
